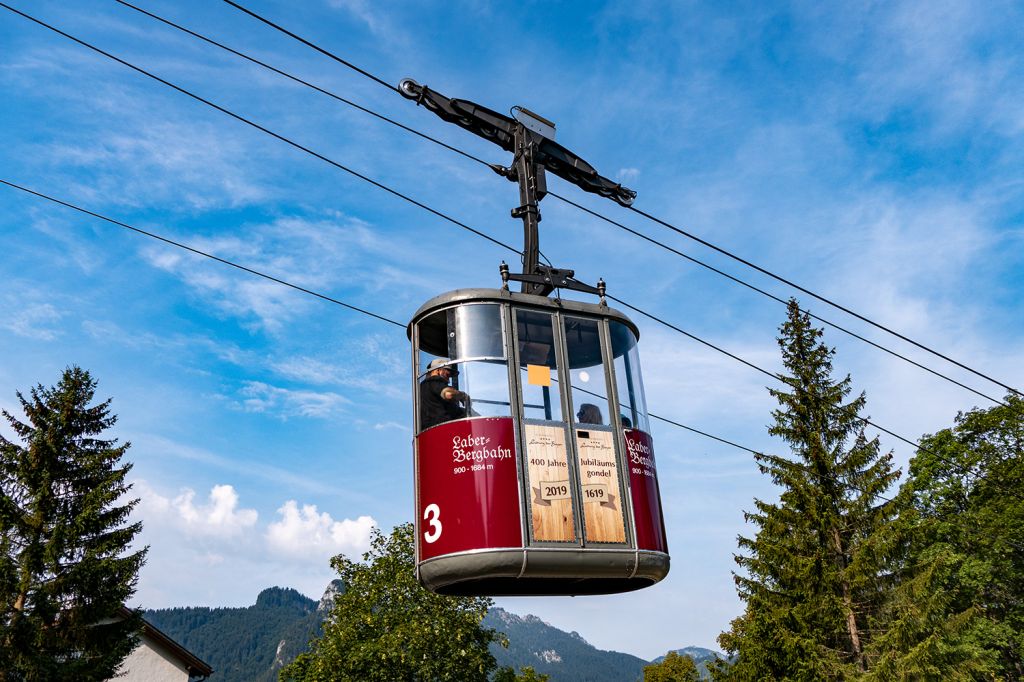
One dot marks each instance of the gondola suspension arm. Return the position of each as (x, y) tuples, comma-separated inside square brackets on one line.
[(531, 139)]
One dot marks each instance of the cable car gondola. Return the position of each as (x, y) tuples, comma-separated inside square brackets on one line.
[(534, 465)]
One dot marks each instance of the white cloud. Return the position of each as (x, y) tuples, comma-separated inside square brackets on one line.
[(364, 11), (930, 51), (316, 371), (257, 396), (260, 303), (308, 533), (376, 370), (33, 321), (217, 553), (110, 333), (384, 426), (688, 381), (316, 254), (924, 244), (159, 448), (199, 158), (219, 517)]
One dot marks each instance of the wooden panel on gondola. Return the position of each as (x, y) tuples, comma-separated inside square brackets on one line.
[(599, 480), (550, 492)]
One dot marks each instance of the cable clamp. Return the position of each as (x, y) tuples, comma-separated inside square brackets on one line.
[(526, 209)]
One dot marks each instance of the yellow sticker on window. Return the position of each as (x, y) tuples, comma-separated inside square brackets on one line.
[(538, 375)]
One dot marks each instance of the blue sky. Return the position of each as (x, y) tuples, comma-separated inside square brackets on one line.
[(869, 151)]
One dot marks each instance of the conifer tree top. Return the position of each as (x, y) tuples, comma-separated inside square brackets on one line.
[(66, 565)]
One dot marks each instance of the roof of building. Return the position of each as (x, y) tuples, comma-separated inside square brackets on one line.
[(196, 667)]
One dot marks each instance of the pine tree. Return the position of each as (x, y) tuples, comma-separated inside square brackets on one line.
[(66, 568), (813, 574)]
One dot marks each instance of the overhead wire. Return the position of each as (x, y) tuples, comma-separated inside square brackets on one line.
[(300, 81), (821, 298), (688, 235), (758, 368), (364, 311), (283, 282), (312, 45), (776, 298), (393, 192), (579, 206), (758, 456), (199, 252), (259, 127)]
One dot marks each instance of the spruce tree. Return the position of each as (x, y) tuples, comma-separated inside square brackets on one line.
[(66, 567), (813, 574)]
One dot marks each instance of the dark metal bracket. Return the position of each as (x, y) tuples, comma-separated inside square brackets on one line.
[(553, 278), (535, 152), (501, 130)]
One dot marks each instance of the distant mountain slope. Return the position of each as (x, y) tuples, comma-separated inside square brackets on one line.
[(252, 643), (702, 657), (565, 656), (246, 644)]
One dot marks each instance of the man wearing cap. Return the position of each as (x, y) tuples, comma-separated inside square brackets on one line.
[(440, 402)]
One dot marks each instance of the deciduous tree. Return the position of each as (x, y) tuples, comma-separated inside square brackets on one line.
[(672, 668), (65, 565), (526, 674), (958, 610), (386, 627)]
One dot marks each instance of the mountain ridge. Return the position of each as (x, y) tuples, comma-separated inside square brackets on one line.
[(252, 643)]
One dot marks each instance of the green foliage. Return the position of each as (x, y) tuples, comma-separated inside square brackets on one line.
[(672, 668), (719, 669), (958, 610), (66, 571), (250, 644), (245, 644), (526, 674), (838, 586), (385, 627), (814, 574)]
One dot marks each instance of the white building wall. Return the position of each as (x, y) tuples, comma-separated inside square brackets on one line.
[(149, 664)]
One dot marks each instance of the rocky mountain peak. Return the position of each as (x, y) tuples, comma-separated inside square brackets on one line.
[(284, 597), (335, 588)]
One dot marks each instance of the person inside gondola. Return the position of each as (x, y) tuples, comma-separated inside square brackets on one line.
[(440, 402), (589, 414)]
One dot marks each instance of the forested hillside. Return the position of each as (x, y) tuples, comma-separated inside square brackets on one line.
[(565, 656), (246, 644), (251, 644)]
